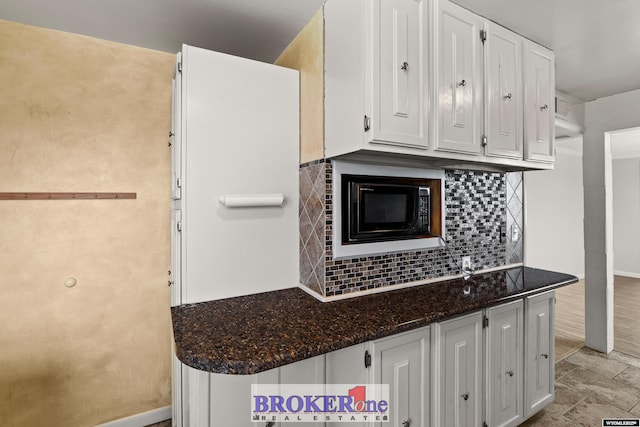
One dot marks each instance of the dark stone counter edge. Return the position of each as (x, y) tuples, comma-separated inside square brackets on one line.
[(254, 366)]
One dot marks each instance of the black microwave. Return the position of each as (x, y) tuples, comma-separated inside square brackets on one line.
[(379, 208)]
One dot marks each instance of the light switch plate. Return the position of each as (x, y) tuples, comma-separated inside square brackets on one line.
[(515, 233)]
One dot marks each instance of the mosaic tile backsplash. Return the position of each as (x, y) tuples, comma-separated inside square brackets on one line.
[(475, 220)]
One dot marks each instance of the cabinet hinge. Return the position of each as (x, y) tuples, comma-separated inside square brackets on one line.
[(367, 359), (179, 226), (367, 123), (485, 322), (179, 182), (483, 35), (179, 67), (483, 140)]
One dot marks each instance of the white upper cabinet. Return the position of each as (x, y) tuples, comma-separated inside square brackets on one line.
[(503, 99), (539, 89), (430, 79), (376, 85), (399, 114), (459, 80)]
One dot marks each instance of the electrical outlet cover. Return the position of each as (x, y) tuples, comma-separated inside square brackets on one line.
[(466, 262), (515, 235)]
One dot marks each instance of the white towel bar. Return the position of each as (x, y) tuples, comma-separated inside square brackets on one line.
[(251, 200)]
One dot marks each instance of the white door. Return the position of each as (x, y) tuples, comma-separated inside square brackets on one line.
[(177, 368), (176, 129), (240, 121), (459, 80), (504, 358), (503, 98), (539, 103), (400, 89), (229, 399), (346, 366), (307, 371), (402, 362), (458, 372), (176, 257), (539, 352)]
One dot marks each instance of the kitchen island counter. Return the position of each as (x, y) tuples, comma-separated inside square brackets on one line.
[(254, 333)]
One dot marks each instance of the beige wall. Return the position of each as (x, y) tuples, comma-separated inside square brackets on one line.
[(80, 114), (306, 54)]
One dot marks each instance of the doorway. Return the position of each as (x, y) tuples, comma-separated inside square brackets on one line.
[(625, 168)]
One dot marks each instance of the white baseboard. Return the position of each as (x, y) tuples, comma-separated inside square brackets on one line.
[(627, 274), (141, 420)]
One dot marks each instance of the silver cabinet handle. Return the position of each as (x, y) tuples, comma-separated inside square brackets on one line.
[(508, 96), (269, 424), (544, 107), (545, 355), (405, 66), (510, 373), (462, 83), (406, 423), (465, 396)]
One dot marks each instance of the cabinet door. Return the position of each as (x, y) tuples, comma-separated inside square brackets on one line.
[(539, 101), (504, 355), (457, 372), (346, 366), (176, 257), (176, 129), (459, 80), (241, 122), (307, 371), (400, 49), (539, 352), (503, 75), (402, 362)]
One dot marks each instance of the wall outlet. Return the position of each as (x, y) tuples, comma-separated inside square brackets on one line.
[(515, 233), (466, 263)]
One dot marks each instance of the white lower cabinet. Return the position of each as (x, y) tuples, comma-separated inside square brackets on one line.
[(234, 391), (347, 366), (216, 400), (504, 389), (539, 352), (308, 371), (402, 362), (494, 367), (457, 372), (516, 341)]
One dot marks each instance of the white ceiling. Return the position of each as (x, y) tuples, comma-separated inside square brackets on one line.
[(597, 42), (257, 29)]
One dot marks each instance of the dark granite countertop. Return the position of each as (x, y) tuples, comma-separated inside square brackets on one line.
[(254, 333)]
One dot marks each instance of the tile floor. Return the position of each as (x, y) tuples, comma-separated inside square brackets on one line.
[(591, 386)]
